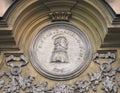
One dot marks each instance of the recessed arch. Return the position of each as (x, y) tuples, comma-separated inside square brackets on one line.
[(26, 14)]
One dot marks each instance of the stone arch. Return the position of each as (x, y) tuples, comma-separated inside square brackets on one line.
[(26, 17)]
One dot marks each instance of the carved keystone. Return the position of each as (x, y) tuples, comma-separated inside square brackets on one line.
[(60, 16)]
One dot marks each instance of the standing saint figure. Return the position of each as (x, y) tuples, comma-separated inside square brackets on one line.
[(59, 54)]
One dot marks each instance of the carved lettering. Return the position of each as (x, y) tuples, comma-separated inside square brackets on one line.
[(59, 70)]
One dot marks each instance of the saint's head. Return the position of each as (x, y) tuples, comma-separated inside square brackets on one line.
[(61, 43)]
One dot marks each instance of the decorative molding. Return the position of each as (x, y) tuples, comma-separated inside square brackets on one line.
[(106, 76), (60, 16)]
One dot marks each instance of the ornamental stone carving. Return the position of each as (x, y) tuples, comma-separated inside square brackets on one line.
[(106, 76), (60, 51), (60, 16)]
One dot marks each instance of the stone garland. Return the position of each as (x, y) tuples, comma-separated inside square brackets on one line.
[(106, 76)]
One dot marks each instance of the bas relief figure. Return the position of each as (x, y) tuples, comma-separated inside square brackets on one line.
[(59, 54), (63, 51)]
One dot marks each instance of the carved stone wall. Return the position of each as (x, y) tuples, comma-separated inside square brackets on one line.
[(25, 18), (107, 78)]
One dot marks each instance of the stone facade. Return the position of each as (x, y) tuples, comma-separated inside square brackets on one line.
[(25, 18)]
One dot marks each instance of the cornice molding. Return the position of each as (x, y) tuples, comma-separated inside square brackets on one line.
[(116, 16)]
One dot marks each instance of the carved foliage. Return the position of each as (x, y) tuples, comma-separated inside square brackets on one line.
[(106, 76)]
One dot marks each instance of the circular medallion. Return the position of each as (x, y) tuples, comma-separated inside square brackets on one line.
[(60, 51)]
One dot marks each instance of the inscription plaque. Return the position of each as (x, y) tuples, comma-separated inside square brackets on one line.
[(60, 51)]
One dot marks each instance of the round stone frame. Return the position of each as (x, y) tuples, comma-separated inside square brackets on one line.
[(71, 75)]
